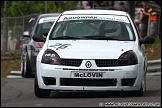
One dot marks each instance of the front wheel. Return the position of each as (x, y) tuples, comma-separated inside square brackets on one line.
[(139, 92), (41, 93), (22, 67), (26, 67)]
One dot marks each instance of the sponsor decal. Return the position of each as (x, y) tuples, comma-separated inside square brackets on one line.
[(80, 17), (49, 19), (94, 17), (60, 46), (50, 55), (88, 75), (47, 55)]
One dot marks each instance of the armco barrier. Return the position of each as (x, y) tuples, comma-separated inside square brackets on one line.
[(154, 66)]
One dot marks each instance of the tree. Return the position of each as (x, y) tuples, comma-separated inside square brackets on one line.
[(17, 8)]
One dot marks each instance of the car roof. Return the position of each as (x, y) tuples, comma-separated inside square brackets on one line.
[(96, 12), (49, 15)]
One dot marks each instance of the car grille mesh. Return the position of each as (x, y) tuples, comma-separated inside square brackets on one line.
[(87, 82), (106, 62), (99, 62), (71, 62)]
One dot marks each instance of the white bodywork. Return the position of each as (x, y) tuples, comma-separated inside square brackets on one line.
[(89, 50)]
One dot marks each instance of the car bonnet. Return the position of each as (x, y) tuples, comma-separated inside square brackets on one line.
[(90, 49)]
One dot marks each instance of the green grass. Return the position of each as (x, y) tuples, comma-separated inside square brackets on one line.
[(3, 53), (153, 51), (157, 42), (9, 65)]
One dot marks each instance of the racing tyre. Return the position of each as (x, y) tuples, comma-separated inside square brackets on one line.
[(41, 93), (27, 72), (22, 66), (139, 92), (143, 86)]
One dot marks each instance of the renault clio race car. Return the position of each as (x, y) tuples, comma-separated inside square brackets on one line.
[(94, 50), (41, 25)]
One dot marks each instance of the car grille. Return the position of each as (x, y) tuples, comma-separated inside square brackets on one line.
[(106, 62), (87, 82), (99, 62), (71, 62)]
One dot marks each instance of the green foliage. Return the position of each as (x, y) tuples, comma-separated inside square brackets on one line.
[(9, 65), (20, 8), (10, 52), (2, 30), (51, 7), (70, 5), (17, 30), (157, 42), (39, 7)]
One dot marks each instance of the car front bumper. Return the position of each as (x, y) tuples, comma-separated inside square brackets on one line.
[(123, 78)]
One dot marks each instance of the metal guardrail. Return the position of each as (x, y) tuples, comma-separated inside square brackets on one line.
[(154, 66)]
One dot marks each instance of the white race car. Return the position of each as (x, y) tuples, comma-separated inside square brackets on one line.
[(92, 50)]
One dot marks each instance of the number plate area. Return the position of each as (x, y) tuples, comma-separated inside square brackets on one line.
[(88, 74)]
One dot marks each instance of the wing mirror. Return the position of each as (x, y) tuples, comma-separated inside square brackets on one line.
[(39, 38), (147, 40)]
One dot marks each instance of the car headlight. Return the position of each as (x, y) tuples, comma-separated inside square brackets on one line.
[(51, 57), (128, 58)]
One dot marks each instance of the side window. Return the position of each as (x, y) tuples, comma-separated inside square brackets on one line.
[(129, 32), (32, 22), (43, 28), (47, 25), (135, 27)]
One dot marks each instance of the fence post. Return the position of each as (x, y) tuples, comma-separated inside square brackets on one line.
[(23, 25), (159, 27), (149, 22), (5, 25)]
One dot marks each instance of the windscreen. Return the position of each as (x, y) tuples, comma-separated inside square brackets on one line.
[(44, 25), (93, 27)]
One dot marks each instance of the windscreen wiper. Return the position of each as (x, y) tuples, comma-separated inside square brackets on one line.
[(65, 37), (100, 38)]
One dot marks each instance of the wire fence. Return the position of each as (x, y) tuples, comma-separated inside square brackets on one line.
[(12, 29)]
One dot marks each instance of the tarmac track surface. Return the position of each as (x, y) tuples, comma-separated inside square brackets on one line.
[(19, 92)]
